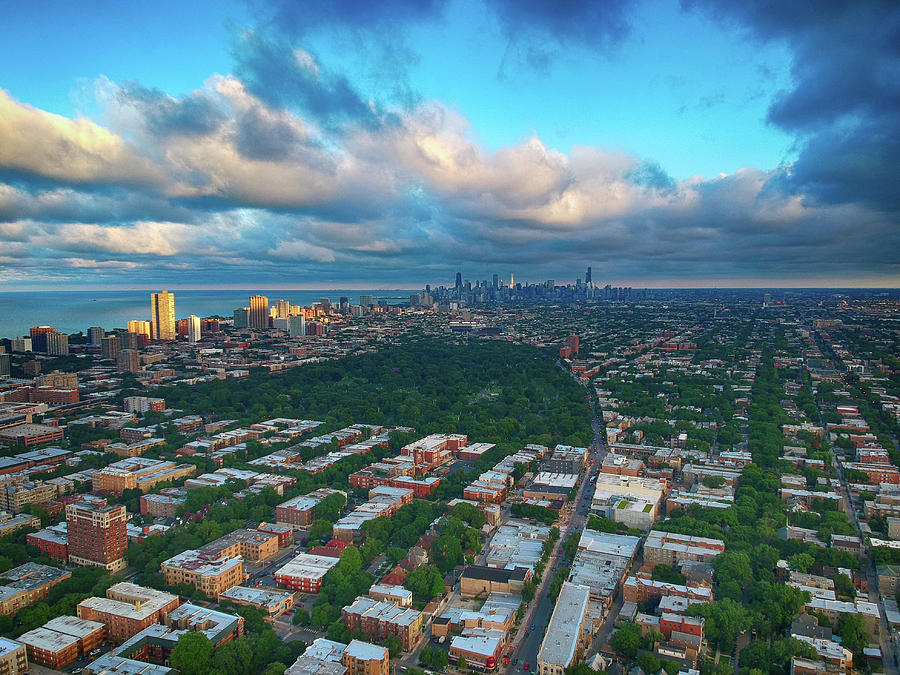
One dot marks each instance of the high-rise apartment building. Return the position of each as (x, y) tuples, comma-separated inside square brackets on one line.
[(345, 304), (20, 344), (97, 534), (4, 366), (297, 326), (162, 316), (242, 317), (128, 361), (193, 328), (95, 334), (366, 300), (259, 312), (140, 327), (57, 344), (110, 347), (283, 308)]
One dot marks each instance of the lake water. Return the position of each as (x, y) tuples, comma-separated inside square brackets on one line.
[(75, 311)]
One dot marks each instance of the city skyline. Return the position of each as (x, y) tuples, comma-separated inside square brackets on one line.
[(705, 144)]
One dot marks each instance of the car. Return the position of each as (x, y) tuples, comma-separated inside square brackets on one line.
[(515, 660), (526, 665), (531, 627)]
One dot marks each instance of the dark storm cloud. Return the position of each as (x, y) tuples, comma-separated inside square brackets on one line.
[(194, 114), (844, 103), (273, 71)]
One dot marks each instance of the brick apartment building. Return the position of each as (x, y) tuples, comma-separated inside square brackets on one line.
[(97, 534), (128, 609)]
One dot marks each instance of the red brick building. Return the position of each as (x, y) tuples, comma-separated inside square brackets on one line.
[(97, 533)]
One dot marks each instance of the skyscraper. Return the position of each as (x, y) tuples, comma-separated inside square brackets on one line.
[(259, 312), (283, 308), (162, 316), (458, 280), (587, 277), (366, 300), (496, 282), (97, 535), (512, 280), (193, 328), (95, 334)]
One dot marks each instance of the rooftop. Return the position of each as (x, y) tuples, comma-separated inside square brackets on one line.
[(564, 629)]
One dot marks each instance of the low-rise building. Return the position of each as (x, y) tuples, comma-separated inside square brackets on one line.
[(13, 657), (364, 658), (28, 584), (248, 544), (62, 640), (208, 575), (52, 541), (273, 603), (566, 633), (477, 580), (10, 523), (300, 511), (392, 593), (163, 504), (138, 473), (480, 647), (304, 572), (669, 548), (379, 620), (128, 609)]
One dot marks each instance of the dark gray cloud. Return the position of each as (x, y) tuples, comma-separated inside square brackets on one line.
[(844, 102), (164, 115)]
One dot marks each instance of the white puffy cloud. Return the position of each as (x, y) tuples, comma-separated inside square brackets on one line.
[(77, 151)]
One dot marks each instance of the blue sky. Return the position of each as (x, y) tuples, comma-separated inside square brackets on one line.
[(694, 143)]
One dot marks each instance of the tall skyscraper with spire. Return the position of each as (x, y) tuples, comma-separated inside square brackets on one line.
[(512, 280), (162, 316), (259, 312), (587, 277)]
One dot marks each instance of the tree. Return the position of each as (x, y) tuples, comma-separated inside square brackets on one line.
[(461, 664), (234, 657), (446, 553), (320, 529), (395, 647), (276, 668), (844, 586), (667, 574), (801, 562), (439, 659), (713, 482), (192, 654), (725, 618), (425, 582), (627, 640), (853, 633)]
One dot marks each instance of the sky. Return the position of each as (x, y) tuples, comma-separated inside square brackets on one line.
[(358, 144)]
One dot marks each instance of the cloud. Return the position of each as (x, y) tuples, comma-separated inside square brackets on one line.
[(844, 102), (302, 250), (36, 142), (85, 263), (272, 72), (268, 194)]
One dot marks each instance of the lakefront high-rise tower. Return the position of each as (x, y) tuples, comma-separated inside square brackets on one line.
[(162, 316)]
